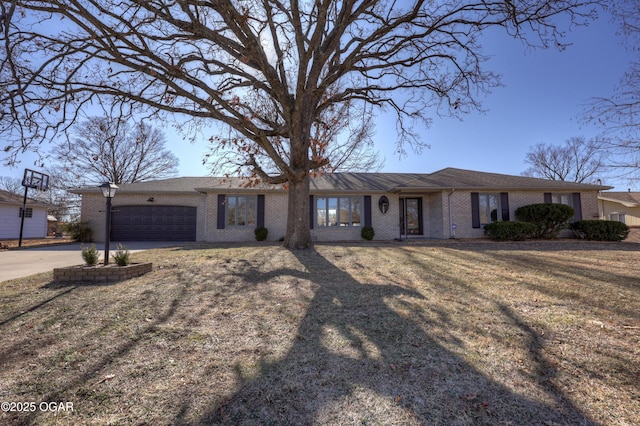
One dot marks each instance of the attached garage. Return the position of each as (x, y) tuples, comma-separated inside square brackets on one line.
[(153, 223)]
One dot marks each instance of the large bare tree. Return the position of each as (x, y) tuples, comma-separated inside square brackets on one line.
[(577, 160), (270, 70), (111, 149)]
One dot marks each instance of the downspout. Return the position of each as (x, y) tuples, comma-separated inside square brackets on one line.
[(452, 231)]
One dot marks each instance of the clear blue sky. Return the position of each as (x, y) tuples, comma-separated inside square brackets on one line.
[(543, 95)]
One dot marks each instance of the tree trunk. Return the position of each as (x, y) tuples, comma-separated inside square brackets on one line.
[(298, 234)]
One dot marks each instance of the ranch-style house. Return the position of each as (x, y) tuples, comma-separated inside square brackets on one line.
[(449, 203)]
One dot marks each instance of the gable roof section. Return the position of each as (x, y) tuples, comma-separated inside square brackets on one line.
[(445, 179), (627, 199), (181, 185), (7, 197), (452, 178)]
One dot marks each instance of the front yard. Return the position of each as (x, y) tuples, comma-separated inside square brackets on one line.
[(447, 333)]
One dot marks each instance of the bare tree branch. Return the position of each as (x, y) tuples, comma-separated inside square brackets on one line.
[(109, 149), (619, 114), (577, 160), (270, 70)]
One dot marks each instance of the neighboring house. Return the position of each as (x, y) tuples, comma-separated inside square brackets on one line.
[(621, 206), (35, 220), (448, 203)]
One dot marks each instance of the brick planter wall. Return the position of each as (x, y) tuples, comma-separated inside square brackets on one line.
[(101, 273)]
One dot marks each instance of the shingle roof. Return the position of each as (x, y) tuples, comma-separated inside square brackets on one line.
[(7, 197), (452, 178), (449, 178), (629, 199), (179, 185)]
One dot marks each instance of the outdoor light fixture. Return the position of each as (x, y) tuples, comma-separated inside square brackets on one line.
[(108, 191)]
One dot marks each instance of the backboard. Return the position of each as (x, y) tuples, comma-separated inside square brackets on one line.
[(37, 180)]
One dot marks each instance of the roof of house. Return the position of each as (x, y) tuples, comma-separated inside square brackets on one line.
[(7, 197), (628, 199), (445, 179)]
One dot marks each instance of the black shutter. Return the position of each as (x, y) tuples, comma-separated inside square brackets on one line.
[(577, 207), (260, 218), (221, 212), (547, 198), (367, 210), (312, 211), (475, 210), (504, 205)]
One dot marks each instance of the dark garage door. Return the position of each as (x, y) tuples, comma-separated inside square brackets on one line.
[(153, 223)]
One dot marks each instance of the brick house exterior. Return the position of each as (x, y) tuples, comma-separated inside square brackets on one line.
[(444, 204)]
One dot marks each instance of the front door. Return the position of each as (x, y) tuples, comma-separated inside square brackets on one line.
[(411, 216)]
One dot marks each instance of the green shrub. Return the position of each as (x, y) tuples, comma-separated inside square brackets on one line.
[(509, 231), (79, 231), (90, 255), (600, 230), (122, 256), (367, 233), (261, 233), (549, 219)]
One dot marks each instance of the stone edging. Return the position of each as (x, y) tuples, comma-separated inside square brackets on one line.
[(101, 273)]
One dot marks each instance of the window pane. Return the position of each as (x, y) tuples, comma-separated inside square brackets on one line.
[(493, 207), (241, 207), (231, 211), (345, 207), (355, 211), (332, 207), (484, 209), (488, 208), (251, 210), (321, 211)]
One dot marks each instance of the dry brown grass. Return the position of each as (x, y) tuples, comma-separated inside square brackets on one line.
[(448, 333)]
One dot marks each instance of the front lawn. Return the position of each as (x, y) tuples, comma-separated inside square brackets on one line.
[(446, 333)]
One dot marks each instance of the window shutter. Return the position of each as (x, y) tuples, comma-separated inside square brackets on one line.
[(475, 210), (504, 205), (367, 210), (260, 218), (577, 207), (221, 210), (547, 198), (312, 211)]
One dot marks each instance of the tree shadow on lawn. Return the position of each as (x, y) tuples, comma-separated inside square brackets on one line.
[(357, 360)]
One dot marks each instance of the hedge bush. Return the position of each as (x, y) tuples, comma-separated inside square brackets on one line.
[(549, 219), (367, 233), (79, 231), (600, 230), (261, 233), (509, 231)]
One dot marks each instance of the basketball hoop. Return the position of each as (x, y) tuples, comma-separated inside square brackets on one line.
[(36, 180), (31, 179)]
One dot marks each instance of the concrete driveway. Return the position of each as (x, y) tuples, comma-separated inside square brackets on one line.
[(25, 262)]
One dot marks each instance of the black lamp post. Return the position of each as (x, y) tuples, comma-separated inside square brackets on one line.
[(109, 191)]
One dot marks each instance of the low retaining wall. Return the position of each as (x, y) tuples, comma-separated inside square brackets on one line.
[(101, 273)]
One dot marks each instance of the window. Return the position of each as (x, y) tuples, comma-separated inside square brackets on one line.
[(29, 212), (489, 208), (566, 199), (569, 199), (338, 211), (241, 210), (618, 217)]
